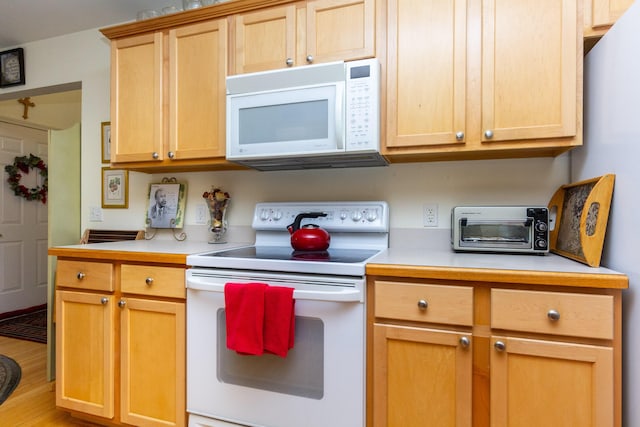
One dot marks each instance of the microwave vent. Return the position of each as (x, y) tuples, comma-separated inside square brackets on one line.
[(316, 162)]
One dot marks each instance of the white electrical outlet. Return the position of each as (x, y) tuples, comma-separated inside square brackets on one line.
[(201, 214), (430, 215)]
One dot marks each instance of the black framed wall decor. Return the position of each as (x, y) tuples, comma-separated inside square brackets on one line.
[(12, 67)]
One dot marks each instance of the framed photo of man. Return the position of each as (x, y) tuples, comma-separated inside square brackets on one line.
[(166, 204)]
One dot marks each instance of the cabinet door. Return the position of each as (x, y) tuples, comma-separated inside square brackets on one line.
[(136, 99), (265, 39), (605, 13), (153, 377), (421, 377), (339, 30), (529, 69), (85, 352), (550, 383), (426, 72), (197, 98)]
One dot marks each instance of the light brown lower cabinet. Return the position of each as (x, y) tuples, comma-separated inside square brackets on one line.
[(120, 355), (452, 353)]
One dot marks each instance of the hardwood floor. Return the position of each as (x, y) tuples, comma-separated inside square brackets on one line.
[(33, 402)]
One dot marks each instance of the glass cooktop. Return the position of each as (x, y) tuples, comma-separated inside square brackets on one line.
[(282, 253)]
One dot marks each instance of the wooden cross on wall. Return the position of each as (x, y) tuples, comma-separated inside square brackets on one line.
[(27, 103)]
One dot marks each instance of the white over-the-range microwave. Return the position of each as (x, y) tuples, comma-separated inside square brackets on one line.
[(309, 117)]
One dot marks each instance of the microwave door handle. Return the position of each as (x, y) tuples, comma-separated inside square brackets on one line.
[(342, 295), (340, 115)]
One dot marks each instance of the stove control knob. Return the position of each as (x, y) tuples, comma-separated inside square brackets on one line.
[(372, 215), (264, 214), (344, 215), (356, 216), (277, 215)]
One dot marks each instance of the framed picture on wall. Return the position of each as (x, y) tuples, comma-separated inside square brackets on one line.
[(115, 188), (106, 142), (12, 67)]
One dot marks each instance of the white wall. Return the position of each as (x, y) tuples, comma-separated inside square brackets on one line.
[(612, 145), (84, 57)]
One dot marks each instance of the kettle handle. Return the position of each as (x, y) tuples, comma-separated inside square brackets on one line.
[(295, 226)]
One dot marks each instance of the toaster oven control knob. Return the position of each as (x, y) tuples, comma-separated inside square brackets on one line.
[(459, 136), (541, 226), (488, 134), (541, 243)]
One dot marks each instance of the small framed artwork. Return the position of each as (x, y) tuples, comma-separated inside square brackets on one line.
[(115, 188), (106, 142), (12, 67), (166, 205)]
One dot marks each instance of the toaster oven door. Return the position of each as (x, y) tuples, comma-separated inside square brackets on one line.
[(496, 234)]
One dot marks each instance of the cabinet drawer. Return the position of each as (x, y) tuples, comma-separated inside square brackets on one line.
[(152, 280), (451, 305), (96, 276), (558, 313)]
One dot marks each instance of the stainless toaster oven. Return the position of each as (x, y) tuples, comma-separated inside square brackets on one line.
[(517, 229)]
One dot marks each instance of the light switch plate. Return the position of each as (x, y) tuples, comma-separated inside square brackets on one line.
[(95, 214)]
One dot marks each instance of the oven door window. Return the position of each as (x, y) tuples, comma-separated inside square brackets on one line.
[(301, 373), (512, 234)]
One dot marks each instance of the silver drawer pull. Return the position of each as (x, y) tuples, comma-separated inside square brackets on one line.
[(80, 275), (465, 342), (500, 346), (104, 300), (122, 303), (149, 281), (423, 304), (553, 315)]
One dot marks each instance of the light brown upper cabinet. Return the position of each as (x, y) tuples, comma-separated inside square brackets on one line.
[(600, 15), (483, 79), (168, 96), (303, 33)]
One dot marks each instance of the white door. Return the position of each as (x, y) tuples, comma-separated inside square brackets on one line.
[(64, 210), (23, 224)]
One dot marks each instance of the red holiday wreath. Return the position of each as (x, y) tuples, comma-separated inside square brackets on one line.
[(23, 164)]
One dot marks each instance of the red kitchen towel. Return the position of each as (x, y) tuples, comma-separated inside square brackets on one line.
[(244, 306), (279, 320)]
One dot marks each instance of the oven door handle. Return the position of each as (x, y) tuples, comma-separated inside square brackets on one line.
[(341, 295)]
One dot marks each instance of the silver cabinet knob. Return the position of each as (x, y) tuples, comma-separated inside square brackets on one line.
[(149, 281), (553, 315), (171, 154), (122, 303), (500, 346), (289, 62), (309, 59), (459, 136), (423, 304), (488, 134), (80, 275), (155, 155), (104, 300), (465, 342)]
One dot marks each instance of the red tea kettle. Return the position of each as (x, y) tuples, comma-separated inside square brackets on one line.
[(309, 237)]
